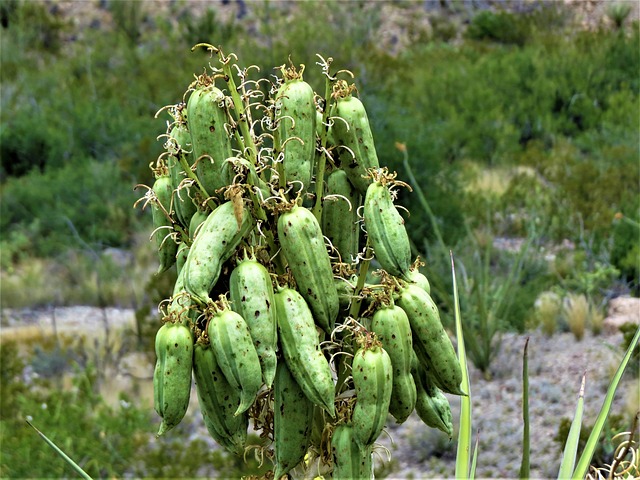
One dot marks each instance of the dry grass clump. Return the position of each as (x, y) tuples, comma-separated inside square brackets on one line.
[(548, 307), (580, 313)]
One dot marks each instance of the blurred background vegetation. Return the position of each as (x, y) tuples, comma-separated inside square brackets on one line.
[(520, 127)]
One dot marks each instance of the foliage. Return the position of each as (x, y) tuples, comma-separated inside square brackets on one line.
[(628, 330), (604, 453)]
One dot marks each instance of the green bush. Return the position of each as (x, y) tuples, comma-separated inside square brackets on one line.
[(80, 204)]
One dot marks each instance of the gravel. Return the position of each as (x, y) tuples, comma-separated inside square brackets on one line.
[(556, 366)]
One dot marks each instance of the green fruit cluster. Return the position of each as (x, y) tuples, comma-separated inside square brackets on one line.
[(297, 303)]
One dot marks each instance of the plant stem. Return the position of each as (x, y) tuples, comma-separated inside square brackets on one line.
[(525, 465)]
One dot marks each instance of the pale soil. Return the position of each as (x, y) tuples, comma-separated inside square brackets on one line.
[(556, 366)]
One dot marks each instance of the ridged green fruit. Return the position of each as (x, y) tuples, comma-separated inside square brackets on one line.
[(354, 132), (180, 148), (218, 401), (292, 421), (197, 219), (432, 406), (172, 374), (303, 247), (217, 240), (431, 342), (373, 381), (296, 120), (386, 231), (351, 461), (252, 296), (206, 118), (420, 279), (301, 351), (392, 329), (167, 247), (237, 357), (339, 215)]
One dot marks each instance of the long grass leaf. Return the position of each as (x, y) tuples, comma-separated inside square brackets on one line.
[(571, 446), (582, 466), (474, 459), (464, 435), (64, 456), (525, 464)]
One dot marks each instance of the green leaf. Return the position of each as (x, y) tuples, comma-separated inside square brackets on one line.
[(592, 442), (464, 435), (64, 456), (525, 465), (571, 446)]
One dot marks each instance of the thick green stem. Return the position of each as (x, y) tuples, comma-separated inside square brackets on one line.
[(354, 311), (322, 161)]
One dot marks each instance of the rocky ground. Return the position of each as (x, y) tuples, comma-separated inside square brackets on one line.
[(556, 366)]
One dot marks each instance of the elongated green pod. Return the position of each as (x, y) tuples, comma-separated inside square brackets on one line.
[(252, 296), (303, 247), (350, 460), (301, 351), (392, 328), (206, 118), (339, 215), (237, 357), (296, 120), (373, 381), (386, 231), (197, 219), (431, 342), (172, 374), (432, 406), (352, 130), (181, 256), (179, 147), (217, 240), (420, 279), (166, 245), (292, 421), (218, 401)]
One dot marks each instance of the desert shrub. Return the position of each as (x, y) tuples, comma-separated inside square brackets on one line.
[(547, 313), (501, 26), (78, 204)]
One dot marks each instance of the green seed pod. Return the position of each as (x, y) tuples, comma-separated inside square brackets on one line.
[(350, 460), (296, 120), (217, 240), (340, 217), (252, 296), (301, 349), (391, 326), (420, 279), (181, 256), (167, 247), (172, 374), (303, 247), (373, 380), (431, 342), (292, 421), (206, 117), (197, 219), (354, 132), (218, 401), (237, 357), (432, 406), (386, 231), (180, 148)]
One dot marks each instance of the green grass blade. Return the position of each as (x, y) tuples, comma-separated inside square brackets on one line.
[(464, 435), (526, 442), (474, 459), (592, 442), (571, 446), (64, 456)]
